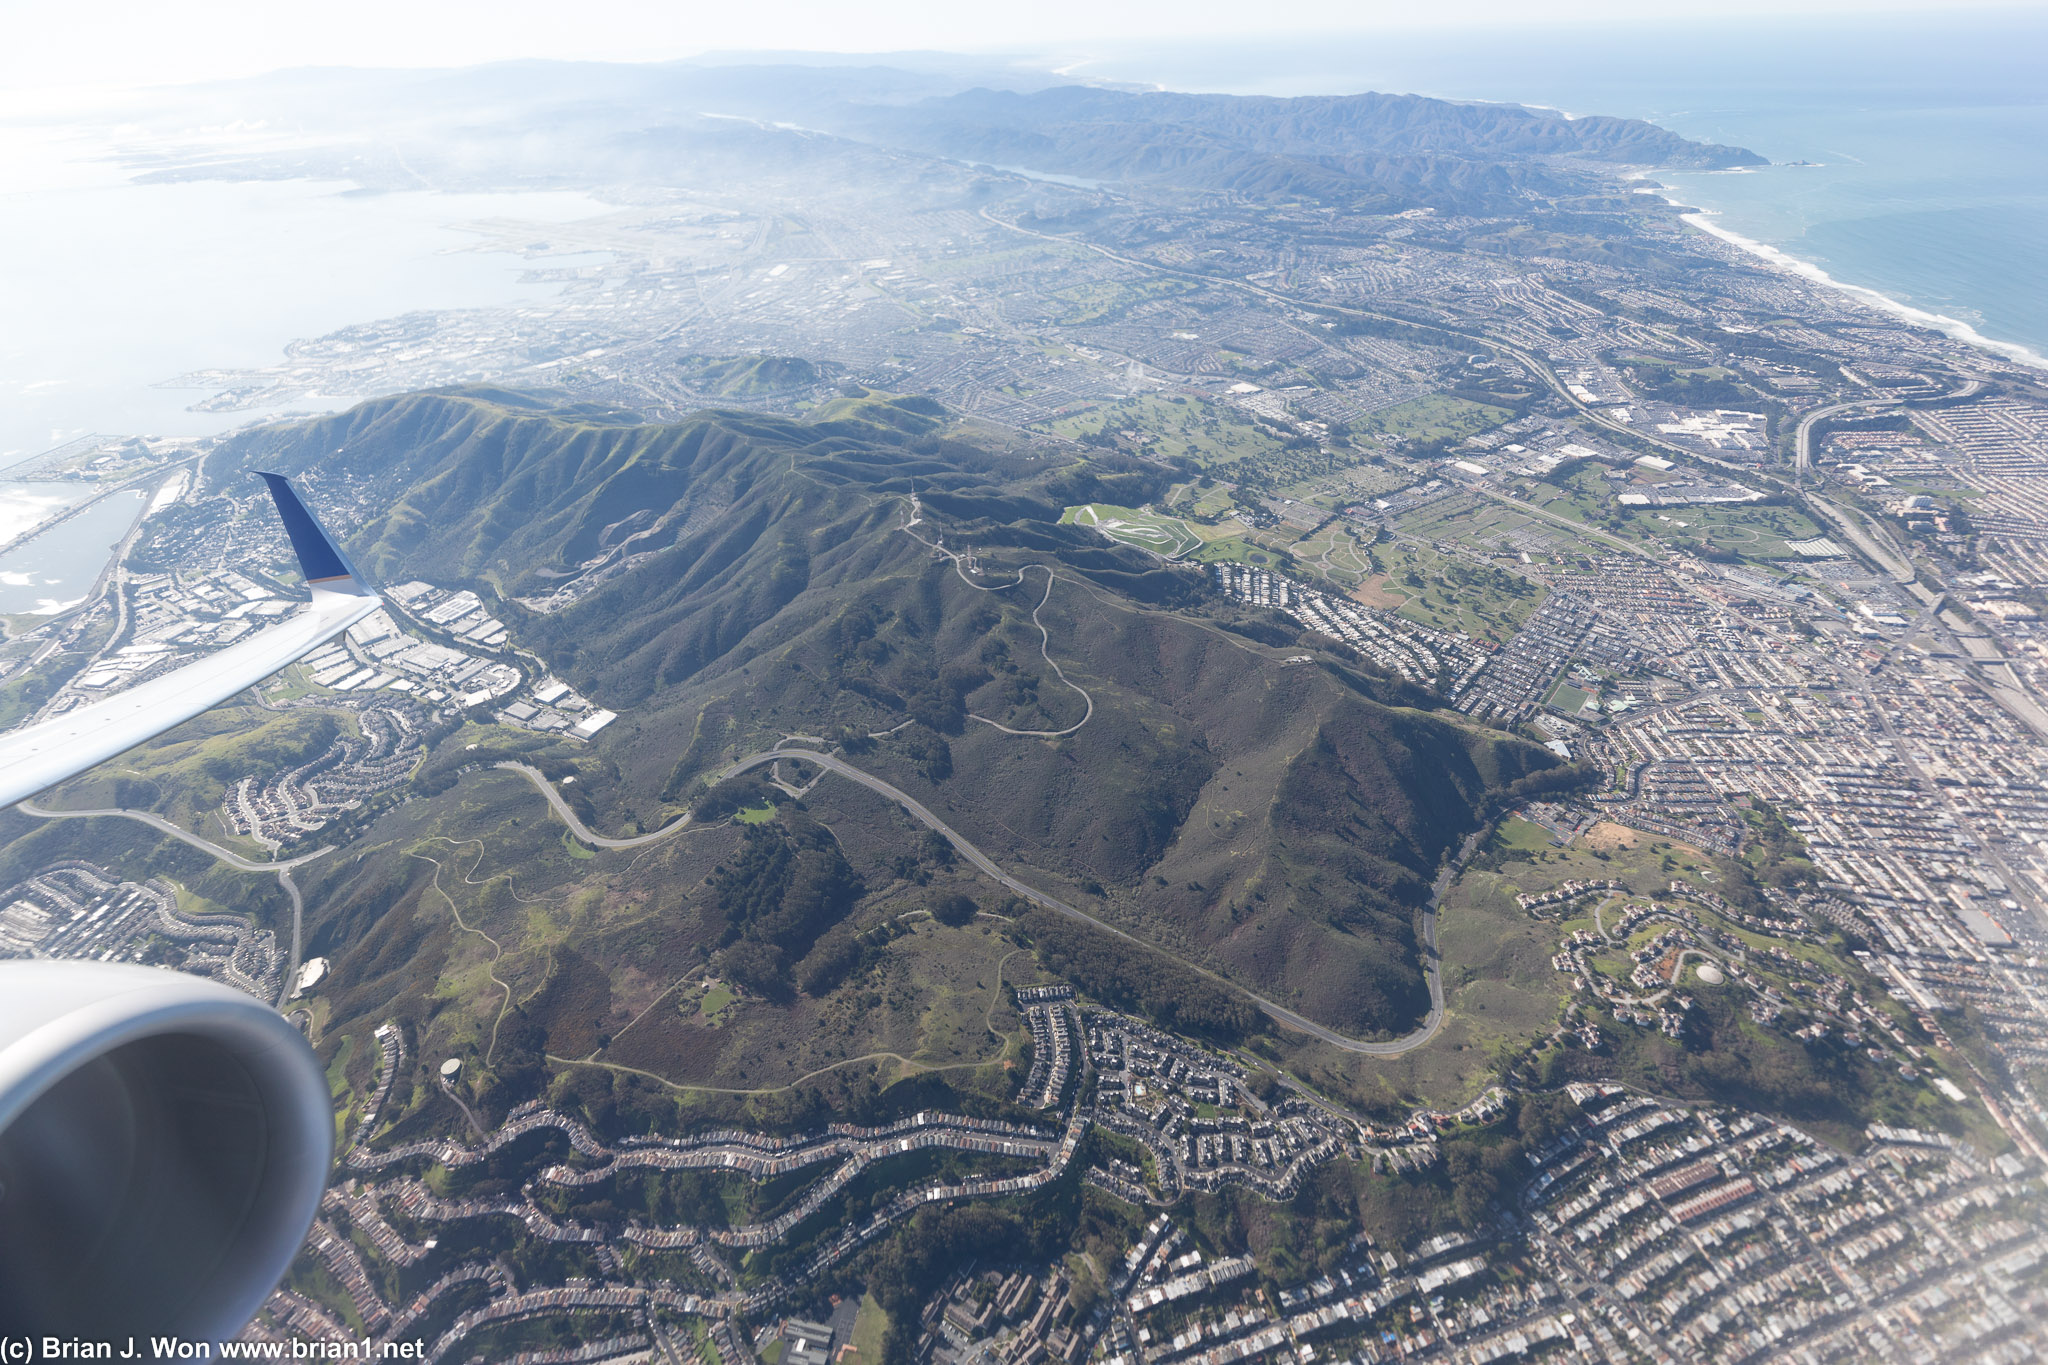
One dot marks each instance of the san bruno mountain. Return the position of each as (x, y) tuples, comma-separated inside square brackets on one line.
[(884, 582)]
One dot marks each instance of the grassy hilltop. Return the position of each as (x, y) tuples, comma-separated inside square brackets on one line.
[(1276, 820)]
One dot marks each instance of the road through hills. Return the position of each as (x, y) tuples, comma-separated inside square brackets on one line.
[(1432, 967), (1287, 1018), (282, 868)]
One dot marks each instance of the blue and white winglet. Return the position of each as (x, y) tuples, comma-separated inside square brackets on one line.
[(41, 755)]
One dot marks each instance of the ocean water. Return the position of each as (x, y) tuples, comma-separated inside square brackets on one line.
[(1928, 132)]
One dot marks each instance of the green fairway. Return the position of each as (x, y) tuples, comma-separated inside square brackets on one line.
[(1237, 550), (1436, 415), (1208, 433)]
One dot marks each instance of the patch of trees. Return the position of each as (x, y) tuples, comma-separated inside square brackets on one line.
[(1489, 578), (1563, 777), (931, 854), (937, 1242), (1757, 345), (748, 790), (1826, 1086), (1776, 851), (953, 908), (928, 751), (852, 739), (938, 699), (502, 1173), (1127, 976), (1690, 389), (518, 1070), (1712, 553), (1310, 1234), (861, 656), (836, 955), (788, 884), (693, 1197)]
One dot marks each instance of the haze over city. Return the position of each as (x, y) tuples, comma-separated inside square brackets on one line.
[(104, 43), (1140, 685)]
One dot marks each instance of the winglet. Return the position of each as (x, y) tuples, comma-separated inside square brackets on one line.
[(326, 568)]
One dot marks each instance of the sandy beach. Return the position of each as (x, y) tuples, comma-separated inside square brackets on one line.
[(1704, 220)]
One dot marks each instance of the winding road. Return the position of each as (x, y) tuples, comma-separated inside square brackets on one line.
[(282, 868), (1432, 967), (1045, 649), (228, 856), (497, 956), (1044, 635), (576, 825)]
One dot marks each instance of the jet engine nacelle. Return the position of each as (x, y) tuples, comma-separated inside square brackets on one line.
[(164, 1141)]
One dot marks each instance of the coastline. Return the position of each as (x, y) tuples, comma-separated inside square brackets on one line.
[(1703, 219)]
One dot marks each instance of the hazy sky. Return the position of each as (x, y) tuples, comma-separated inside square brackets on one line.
[(124, 42)]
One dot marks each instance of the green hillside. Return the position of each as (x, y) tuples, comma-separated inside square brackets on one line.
[(1279, 823), (737, 376)]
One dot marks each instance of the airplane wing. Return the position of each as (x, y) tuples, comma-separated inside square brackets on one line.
[(41, 755)]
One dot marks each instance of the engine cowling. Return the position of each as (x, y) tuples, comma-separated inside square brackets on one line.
[(164, 1141)]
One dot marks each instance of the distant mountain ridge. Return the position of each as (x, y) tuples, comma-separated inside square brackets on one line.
[(1088, 129), (592, 125)]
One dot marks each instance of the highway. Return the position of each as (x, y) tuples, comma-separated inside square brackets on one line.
[(1845, 521), (1803, 447), (1870, 540), (1538, 368), (1432, 966)]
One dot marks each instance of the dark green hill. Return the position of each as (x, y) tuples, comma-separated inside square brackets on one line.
[(1280, 822)]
